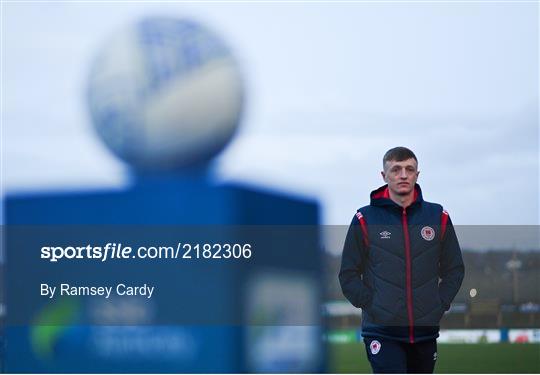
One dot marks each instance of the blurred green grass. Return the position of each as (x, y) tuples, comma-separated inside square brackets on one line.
[(452, 358)]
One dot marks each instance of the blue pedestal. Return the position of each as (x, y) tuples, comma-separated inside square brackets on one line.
[(227, 345)]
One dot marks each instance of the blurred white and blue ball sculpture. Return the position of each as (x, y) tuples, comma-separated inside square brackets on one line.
[(165, 94)]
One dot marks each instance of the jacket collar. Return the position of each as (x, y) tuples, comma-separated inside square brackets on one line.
[(381, 197)]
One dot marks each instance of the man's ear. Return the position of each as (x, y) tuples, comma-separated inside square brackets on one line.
[(383, 176)]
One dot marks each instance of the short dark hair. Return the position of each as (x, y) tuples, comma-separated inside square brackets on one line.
[(398, 154)]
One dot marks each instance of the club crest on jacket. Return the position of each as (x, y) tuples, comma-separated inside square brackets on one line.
[(428, 233)]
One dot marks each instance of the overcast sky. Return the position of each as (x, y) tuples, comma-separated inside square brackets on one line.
[(330, 87)]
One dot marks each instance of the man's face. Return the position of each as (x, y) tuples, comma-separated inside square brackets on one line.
[(401, 175)]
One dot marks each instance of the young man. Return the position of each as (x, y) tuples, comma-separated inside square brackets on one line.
[(402, 266)]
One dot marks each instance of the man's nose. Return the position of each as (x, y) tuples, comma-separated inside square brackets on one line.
[(403, 173)]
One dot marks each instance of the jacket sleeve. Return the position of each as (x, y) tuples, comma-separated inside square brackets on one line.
[(353, 261), (451, 268)]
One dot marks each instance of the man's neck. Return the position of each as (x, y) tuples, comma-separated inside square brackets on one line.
[(402, 200)]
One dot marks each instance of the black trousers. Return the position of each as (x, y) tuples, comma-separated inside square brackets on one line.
[(389, 356)]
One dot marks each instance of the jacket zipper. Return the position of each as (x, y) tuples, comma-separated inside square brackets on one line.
[(408, 275)]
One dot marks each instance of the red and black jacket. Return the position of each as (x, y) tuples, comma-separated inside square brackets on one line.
[(402, 266)]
